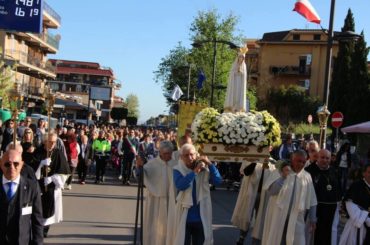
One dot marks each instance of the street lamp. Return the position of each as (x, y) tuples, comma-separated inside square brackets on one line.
[(198, 44), (342, 36)]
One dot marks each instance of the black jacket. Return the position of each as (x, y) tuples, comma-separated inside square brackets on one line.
[(29, 228)]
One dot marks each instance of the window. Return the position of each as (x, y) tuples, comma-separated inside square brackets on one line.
[(317, 37), (296, 37)]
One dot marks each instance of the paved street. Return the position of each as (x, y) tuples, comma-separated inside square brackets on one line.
[(105, 214)]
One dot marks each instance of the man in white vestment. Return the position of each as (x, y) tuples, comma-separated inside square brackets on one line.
[(251, 196), (192, 222), (236, 100), (296, 196), (157, 179), (185, 139), (357, 229)]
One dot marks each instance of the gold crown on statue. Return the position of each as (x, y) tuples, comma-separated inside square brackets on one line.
[(243, 50)]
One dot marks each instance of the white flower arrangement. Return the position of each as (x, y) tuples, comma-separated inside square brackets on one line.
[(234, 128)]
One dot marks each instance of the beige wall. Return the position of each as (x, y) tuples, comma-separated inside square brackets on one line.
[(285, 53)]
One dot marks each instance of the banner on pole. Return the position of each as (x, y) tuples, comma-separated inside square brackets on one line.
[(187, 112)]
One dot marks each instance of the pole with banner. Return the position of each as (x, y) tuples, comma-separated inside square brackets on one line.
[(336, 122)]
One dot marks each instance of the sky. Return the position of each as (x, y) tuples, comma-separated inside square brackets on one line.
[(132, 37)]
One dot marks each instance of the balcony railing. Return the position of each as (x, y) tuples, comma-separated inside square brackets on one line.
[(291, 70), (49, 39), (37, 91), (30, 59), (51, 12)]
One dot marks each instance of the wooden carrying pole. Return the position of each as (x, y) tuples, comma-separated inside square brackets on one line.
[(49, 100)]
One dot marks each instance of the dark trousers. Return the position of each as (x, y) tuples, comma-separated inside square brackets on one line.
[(126, 166), (343, 176), (325, 217), (194, 233), (82, 170), (101, 163), (69, 180)]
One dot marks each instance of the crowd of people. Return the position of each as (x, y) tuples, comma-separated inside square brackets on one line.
[(296, 200), (301, 198)]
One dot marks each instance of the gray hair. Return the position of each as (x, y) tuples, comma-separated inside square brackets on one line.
[(45, 137), (165, 145), (301, 153), (314, 143), (186, 148)]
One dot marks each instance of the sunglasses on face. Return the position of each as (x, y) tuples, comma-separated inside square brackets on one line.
[(8, 164), (27, 132)]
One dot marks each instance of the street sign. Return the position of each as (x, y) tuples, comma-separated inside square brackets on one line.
[(21, 15), (337, 119), (309, 119)]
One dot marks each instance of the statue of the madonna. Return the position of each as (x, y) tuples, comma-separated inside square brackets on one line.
[(236, 98)]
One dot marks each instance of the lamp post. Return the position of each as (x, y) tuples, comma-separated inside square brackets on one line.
[(49, 103), (344, 36), (15, 101), (199, 44)]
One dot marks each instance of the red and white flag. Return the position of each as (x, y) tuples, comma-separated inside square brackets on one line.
[(304, 8)]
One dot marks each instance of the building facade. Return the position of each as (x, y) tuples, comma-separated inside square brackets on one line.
[(27, 52), (83, 82), (295, 57)]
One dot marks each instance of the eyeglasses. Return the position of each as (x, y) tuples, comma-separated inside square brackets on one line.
[(27, 132), (8, 163), (28, 121)]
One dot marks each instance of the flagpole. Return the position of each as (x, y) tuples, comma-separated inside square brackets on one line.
[(189, 75), (329, 54)]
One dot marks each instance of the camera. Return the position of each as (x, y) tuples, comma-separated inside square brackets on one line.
[(200, 163)]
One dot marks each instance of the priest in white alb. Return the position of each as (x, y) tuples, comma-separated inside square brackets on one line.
[(296, 196), (158, 199), (250, 195), (357, 198)]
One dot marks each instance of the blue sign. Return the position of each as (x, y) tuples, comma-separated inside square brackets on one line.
[(21, 15)]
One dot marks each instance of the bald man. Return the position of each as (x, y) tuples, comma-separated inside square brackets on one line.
[(327, 189), (20, 204)]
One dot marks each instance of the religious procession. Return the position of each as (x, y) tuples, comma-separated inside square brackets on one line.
[(78, 167)]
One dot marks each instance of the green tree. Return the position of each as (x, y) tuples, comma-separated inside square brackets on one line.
[(291, 104), (6, 77), (357, 109), (173, 69), (132, 102), (341, 82)]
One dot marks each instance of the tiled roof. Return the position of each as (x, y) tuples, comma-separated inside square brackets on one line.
[(73, 62), (74, 70), (280, 35), (274, 36)]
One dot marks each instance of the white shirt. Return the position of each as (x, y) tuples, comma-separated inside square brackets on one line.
[(6, 181), (343, 161)]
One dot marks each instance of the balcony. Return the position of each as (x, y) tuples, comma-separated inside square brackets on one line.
[(290, 70), (30, 65), (35, 91), (51, 18), (47, 42)]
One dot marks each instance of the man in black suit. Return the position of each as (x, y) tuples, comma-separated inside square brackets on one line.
[(20, 204)]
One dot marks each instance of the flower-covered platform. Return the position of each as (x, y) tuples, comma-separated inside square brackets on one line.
[(235, 137)]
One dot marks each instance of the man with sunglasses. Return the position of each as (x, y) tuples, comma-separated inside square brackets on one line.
[(20, 204)]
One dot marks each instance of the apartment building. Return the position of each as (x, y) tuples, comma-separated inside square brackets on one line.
[(83, 82), (294, 57), (28, 52)]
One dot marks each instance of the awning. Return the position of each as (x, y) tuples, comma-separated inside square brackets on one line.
[(358, 128)]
